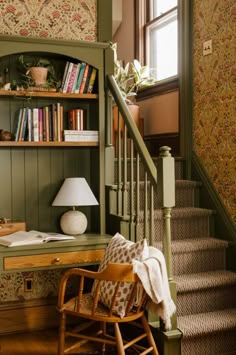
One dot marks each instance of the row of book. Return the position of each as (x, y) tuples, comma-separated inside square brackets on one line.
[(78, 78), (47, 123)]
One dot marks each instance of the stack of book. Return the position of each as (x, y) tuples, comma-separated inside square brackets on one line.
[(78, 78), (80, 136)]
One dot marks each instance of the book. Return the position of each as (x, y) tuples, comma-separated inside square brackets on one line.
[(32, 237), (71, 119), (72, 78), (92, 81), (70, 66), (64, 76), (35, 125), (86, 70), (80, 136), (79, 124), (18, 125), (76, 77), (29, 124), (81, 133), (25, 125), (21, 124), (87, 79), (46, 136), (80, 77), (40, 121)]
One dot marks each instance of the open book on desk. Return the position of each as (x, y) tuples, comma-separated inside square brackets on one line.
[(32, 237)]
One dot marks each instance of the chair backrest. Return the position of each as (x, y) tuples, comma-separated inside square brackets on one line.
[(118, 276), (114, 273)]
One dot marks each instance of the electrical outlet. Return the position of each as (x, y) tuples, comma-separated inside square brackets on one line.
[(28, 284), (207, 47)]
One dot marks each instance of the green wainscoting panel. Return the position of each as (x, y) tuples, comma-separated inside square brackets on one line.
[(31, 191), (44, 183), (5, 180)]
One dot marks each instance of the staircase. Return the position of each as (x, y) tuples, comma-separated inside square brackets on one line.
[(206, 290)]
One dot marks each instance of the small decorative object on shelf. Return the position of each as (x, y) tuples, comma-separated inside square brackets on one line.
[(5, 135), (74, 192), (4, 220)]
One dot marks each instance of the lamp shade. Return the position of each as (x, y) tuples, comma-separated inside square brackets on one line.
[(75, 192)]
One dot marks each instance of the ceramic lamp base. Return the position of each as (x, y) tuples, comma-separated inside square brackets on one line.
[(73, 222)]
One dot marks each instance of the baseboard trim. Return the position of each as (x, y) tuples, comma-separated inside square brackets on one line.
[(28, 315)]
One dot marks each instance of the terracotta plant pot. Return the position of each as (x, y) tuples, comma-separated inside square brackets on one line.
[(39, 75), (133, 109), (135, 113)]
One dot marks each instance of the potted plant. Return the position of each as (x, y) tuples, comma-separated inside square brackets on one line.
[(39, 72), (130, 79)]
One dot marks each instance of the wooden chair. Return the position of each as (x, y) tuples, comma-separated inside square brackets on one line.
[(92, 313)]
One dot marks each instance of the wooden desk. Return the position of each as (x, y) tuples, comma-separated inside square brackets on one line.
[(86, 249)]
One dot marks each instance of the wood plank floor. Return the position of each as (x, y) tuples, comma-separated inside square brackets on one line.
[(33, 343)]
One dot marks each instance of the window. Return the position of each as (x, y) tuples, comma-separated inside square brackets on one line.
[(157, 26)]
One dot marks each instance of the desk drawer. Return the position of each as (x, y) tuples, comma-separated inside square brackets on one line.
[(55, 259)]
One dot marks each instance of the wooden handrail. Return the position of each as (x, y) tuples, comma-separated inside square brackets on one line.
[(133, 130)]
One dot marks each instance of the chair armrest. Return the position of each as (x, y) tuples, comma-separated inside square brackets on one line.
[(65, 279)]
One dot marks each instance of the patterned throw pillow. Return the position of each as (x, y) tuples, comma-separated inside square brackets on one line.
[(120, 250)]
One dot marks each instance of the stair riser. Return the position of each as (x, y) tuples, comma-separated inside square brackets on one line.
[(200, 301), (210, 344), (183, 197), (181, 228), (198, 261)]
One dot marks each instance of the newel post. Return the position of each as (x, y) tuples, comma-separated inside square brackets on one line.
[(166, 194), (170, 340)]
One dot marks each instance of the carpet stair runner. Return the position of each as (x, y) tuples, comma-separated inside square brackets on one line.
[(206, 290)]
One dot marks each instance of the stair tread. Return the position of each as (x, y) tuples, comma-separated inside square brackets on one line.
[(205, 280), (205, 323)]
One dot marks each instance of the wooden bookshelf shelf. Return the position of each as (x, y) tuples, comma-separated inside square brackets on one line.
[(47, 144), (47, 94)]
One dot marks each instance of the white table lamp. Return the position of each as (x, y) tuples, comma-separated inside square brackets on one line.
[(74, 192)]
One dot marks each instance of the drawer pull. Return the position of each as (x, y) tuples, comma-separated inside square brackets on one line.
[(57, 260)]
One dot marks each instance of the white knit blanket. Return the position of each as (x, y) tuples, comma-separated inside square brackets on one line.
[(153, 275)]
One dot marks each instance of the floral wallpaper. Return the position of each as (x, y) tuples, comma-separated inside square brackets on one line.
[(44, 284), (60, 19), (214, 95)]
